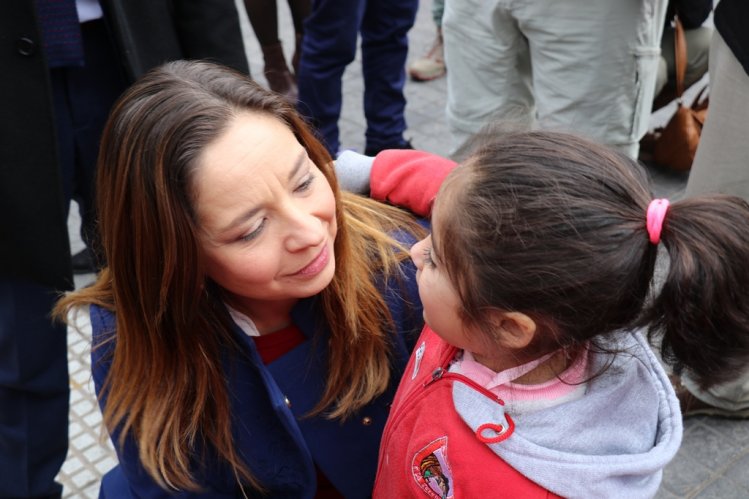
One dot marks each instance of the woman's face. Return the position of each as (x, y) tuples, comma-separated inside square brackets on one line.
[(267, 215)]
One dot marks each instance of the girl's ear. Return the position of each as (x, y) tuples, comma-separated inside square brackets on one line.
[(515, 329)]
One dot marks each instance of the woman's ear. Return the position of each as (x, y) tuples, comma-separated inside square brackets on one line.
[(515, 330)]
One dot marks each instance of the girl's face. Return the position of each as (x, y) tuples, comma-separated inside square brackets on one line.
[(438, 295), (267, 215)]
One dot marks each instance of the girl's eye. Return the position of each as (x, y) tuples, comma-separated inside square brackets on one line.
[(306, 184), (255, 232), (428, 257)]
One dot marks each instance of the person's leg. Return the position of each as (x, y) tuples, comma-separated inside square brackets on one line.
[(594, 68), (263, 15), (720, 165), (438, 10), (384, 31), (300, 9), (328, 46), (432, 64), (34, 391), (489, 76), (91, 93)]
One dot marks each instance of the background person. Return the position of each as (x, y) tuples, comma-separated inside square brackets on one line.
[(263, 15), (53, 108), (720, 165), (572, 66), (330, 39)]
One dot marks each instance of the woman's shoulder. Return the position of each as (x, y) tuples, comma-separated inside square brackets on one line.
[(103, 321), (103, 332)]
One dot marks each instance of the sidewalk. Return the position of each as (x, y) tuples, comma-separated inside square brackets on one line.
[(714, 458)]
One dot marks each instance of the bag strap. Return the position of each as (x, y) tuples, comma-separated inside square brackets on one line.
[(680, 55)]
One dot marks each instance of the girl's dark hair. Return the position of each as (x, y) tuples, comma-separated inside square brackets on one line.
[(554, 226)]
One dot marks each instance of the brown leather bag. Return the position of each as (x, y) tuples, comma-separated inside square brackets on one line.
[(676, 143)]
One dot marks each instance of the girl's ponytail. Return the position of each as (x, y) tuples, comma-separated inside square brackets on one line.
[(701, 314)]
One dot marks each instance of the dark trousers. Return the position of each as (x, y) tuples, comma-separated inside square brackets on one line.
[(34, 391), (329, 45), (83, 97)]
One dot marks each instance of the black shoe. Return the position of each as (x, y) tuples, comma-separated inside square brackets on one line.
[(83, 262), (374, 150)]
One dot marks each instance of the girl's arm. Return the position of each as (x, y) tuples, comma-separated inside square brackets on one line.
[(405, 178)]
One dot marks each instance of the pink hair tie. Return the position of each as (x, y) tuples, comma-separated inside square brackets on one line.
[(656, 214)]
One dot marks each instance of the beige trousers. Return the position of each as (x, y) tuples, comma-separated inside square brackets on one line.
[(582, 67)]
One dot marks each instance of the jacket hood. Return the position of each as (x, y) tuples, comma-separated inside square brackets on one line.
[(612, 442)]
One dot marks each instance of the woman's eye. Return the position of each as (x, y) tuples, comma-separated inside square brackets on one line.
[(254, 233), (305, 185)]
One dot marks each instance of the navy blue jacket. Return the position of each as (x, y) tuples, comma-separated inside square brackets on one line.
[(279, 445)]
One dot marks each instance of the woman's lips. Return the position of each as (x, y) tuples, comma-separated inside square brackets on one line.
[(316, 265)]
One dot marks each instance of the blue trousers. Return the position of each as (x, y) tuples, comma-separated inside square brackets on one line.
[(329, 45), (82, 97), (34, 391)]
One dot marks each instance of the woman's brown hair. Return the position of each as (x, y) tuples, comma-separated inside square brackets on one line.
[(554, 226), (166, 386)]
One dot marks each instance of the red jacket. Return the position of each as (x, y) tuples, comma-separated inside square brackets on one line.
[(427, 450)]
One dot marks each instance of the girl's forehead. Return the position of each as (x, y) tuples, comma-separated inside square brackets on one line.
[(449, 195)]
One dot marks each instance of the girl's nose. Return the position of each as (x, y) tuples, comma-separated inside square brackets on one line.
[(417, 253)]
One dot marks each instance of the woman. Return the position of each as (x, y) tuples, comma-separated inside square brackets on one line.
[(252, 321)]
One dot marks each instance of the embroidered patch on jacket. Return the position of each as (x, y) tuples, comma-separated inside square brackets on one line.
[(431, 470), (417, 360)]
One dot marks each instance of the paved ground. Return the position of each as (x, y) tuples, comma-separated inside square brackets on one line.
[(712, 463)]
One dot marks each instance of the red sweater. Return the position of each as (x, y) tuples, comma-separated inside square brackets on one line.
[(427, 450)]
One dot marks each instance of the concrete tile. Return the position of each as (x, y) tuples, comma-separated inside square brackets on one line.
[(72, 465), (738, 472), (91, 492), (84, 441), (93, 419), (684, 475), (665, 494), (723, 488), (85, 478), (736, 431), (105, 465), (708, 447), (96, 453)]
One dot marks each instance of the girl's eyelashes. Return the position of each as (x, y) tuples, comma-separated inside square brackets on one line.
[(428, 257), (256, 232)]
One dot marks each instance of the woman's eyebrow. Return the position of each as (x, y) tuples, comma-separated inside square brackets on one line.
[(298, 165), (300, 162), (239, 219)]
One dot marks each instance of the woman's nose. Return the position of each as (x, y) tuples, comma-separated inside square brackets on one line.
[(305, 230)]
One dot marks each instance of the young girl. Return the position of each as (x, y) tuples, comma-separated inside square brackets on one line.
[(533, 377)]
